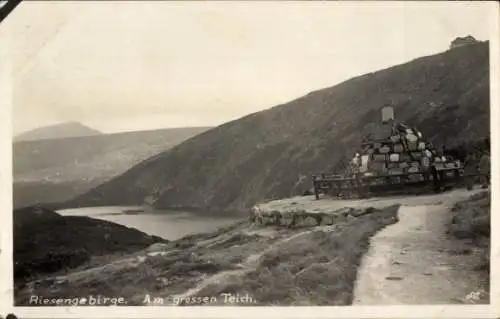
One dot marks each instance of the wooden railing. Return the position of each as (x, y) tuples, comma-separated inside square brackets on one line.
[(365, 184)]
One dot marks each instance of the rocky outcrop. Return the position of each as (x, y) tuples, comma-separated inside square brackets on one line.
[(303, 217)]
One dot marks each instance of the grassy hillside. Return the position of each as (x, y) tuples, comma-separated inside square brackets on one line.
[(472, 220), (284, 266), (70, 129), (45, 241), (37, 192), (470, 228), (272, 153), (58, 169), (86, 158)]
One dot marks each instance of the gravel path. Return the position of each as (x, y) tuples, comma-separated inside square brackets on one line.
[(415, 262)]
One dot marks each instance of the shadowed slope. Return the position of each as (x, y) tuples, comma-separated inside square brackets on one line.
[(54, 170), (270, 154)]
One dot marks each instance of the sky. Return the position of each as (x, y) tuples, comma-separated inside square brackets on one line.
[(126, 66)]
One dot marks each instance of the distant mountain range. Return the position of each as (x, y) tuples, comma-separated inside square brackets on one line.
[(58, 169), (272, 154), (69, 129)]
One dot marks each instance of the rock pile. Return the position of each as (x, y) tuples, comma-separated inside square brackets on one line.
[(403, 151)]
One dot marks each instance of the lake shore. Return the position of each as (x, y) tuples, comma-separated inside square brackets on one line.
[(243, 259), (168, 224), (267, 263)]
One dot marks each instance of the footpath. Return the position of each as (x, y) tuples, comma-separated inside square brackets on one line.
[(415, 262)]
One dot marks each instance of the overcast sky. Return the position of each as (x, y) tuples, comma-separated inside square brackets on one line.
[(122, 66)]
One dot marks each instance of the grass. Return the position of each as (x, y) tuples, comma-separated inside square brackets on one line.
[(471, 218), (301, 266), (471, 221), (46, 242), (181, 269), (156, 275), (315, 268), (471, 224)]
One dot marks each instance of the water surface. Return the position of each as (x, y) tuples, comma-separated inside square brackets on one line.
[(170, 225)]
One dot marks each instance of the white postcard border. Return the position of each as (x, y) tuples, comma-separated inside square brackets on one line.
[(448, 311)]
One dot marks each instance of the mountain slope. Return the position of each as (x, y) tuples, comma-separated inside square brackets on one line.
[(272, 153), (92, 157), (55, 170), (69, 129), (45, 241)]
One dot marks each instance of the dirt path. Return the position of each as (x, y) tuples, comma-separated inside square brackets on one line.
[(410, 262), (414, 262)]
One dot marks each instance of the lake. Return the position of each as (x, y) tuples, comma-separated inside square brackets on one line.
[(169, 225)]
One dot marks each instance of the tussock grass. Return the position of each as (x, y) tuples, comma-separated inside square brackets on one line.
[(303, 266), (471, 221), (471, 217), (318, 267)]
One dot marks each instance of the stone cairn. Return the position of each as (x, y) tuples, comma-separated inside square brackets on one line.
[(404, 151)]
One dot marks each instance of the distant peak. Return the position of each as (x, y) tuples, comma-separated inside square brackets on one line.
[(60, 130), (74, 124)]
